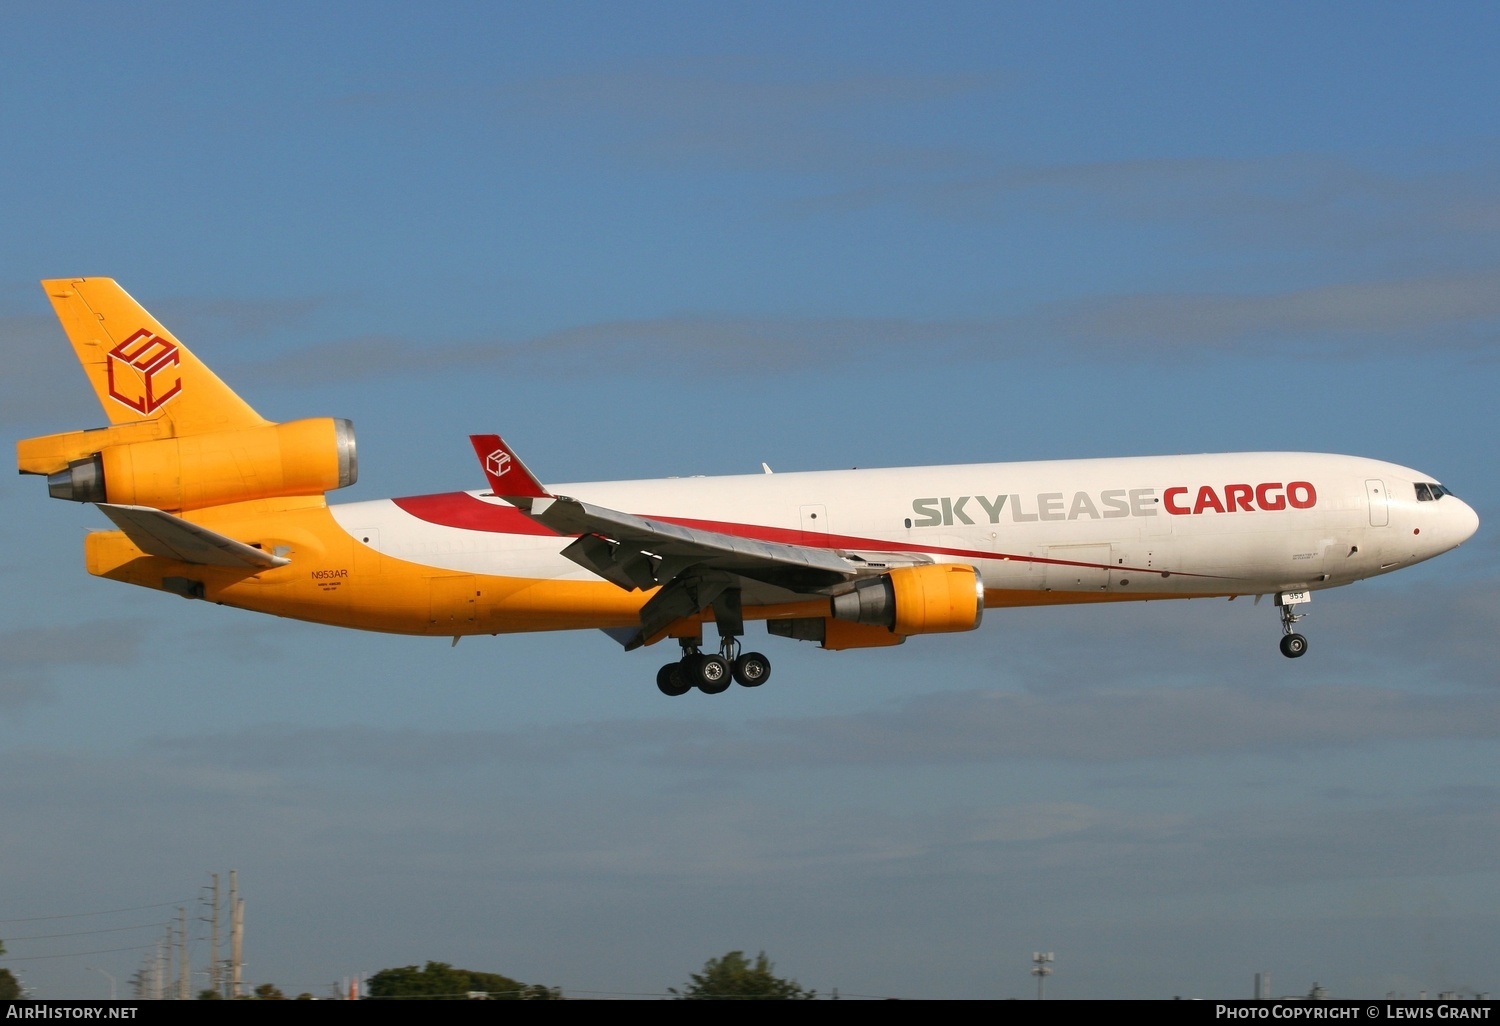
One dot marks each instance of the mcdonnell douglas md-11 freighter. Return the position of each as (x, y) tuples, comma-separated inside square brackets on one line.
[(214, 502)]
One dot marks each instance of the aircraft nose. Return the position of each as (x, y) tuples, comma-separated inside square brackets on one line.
[(1465, 522)]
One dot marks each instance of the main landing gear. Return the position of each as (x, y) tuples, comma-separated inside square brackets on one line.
[(712, 674), (1292, 643), (709, 673)]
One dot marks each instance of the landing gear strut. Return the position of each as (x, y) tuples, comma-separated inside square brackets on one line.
[(1292, 643), (709, 673)]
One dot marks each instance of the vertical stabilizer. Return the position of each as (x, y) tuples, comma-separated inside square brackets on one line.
[(139, 371)]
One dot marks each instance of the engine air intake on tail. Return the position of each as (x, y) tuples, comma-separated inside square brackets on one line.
[(301, 457)]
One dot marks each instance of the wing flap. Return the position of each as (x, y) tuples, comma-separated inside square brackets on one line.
[(628, 548), (158, 533), (684, 595)]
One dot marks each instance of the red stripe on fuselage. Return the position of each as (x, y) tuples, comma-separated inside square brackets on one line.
[(462, 510), (843, 541), (471, 513)]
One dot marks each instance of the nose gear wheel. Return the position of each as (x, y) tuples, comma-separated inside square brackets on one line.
[(1293, 644)]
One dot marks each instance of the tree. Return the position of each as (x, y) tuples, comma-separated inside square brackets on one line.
[(440, 981), (10, 987), (736, 978)]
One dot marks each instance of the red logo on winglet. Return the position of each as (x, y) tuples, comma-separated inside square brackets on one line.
[(136, 369)]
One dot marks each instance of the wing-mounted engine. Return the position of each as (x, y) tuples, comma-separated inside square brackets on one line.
[(124, 465), (934, 599)]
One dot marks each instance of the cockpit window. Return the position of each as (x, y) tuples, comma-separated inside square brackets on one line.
[(1430, 491)]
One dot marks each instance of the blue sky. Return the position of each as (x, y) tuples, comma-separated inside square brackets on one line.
[(667, 239)]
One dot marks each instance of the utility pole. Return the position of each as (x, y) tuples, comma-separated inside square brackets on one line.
[(236, 933), (184, 975), (163, 966), (1041, 969), (213, 943)]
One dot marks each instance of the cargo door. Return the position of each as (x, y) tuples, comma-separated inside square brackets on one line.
[(1380, 512), (453, 602)]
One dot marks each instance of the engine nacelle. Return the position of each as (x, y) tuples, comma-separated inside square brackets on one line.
[(301, 457), (934, 599)]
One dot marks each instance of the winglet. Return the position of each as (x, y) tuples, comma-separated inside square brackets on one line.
[(508, 477)]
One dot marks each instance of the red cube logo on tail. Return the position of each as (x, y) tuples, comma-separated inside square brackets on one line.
[(497, 462), (138, 372)]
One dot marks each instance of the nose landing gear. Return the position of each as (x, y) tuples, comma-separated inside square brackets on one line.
[(1292, 643)]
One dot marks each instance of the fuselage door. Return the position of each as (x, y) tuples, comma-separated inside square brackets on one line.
[(815, 521), (1380, 513), (453, 601), (366, 551)]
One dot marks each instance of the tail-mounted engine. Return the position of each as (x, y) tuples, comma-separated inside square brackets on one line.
[(124, 465)]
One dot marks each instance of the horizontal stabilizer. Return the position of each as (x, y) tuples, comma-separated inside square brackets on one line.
[(157, 533)]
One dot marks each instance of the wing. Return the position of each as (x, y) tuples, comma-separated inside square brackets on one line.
[(692, 567)]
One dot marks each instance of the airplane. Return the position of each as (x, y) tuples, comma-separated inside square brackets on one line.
[(212, 502)]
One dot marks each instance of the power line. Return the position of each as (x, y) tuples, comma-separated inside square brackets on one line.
[(81, 933), (75, 954), (80, 915)]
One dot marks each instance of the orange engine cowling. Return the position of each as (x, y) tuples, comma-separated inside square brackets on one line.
[(301, 457), (934, 599)]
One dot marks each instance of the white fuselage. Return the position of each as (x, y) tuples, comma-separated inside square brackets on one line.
[(1155, 526)]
